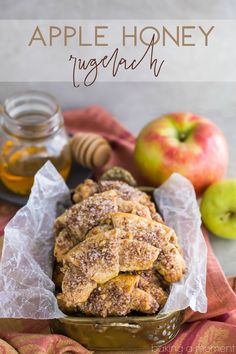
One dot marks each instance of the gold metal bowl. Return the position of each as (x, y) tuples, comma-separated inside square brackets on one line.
[(120, 333)]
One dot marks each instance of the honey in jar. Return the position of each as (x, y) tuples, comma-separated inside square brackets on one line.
[(32, 132)]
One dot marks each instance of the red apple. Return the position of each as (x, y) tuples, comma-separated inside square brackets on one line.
[(185, 143)]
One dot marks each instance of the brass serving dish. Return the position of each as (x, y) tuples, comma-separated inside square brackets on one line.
[(120, 333)]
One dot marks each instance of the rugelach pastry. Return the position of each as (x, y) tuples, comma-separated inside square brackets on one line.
[(114, 254)]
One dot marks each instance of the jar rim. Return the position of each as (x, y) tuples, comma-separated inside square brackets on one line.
[(35, 93), (21, 128)]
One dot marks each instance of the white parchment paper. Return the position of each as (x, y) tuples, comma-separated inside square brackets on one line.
[(177, 203), (26, 288)]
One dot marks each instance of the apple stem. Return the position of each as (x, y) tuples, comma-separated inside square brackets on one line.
[(182, 136)]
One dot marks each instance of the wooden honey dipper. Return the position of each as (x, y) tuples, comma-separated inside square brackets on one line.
[(90, 149)]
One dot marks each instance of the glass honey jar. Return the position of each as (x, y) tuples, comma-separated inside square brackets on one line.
[(32, 132)]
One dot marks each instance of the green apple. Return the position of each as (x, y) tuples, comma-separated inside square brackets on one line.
[(218, 208)]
